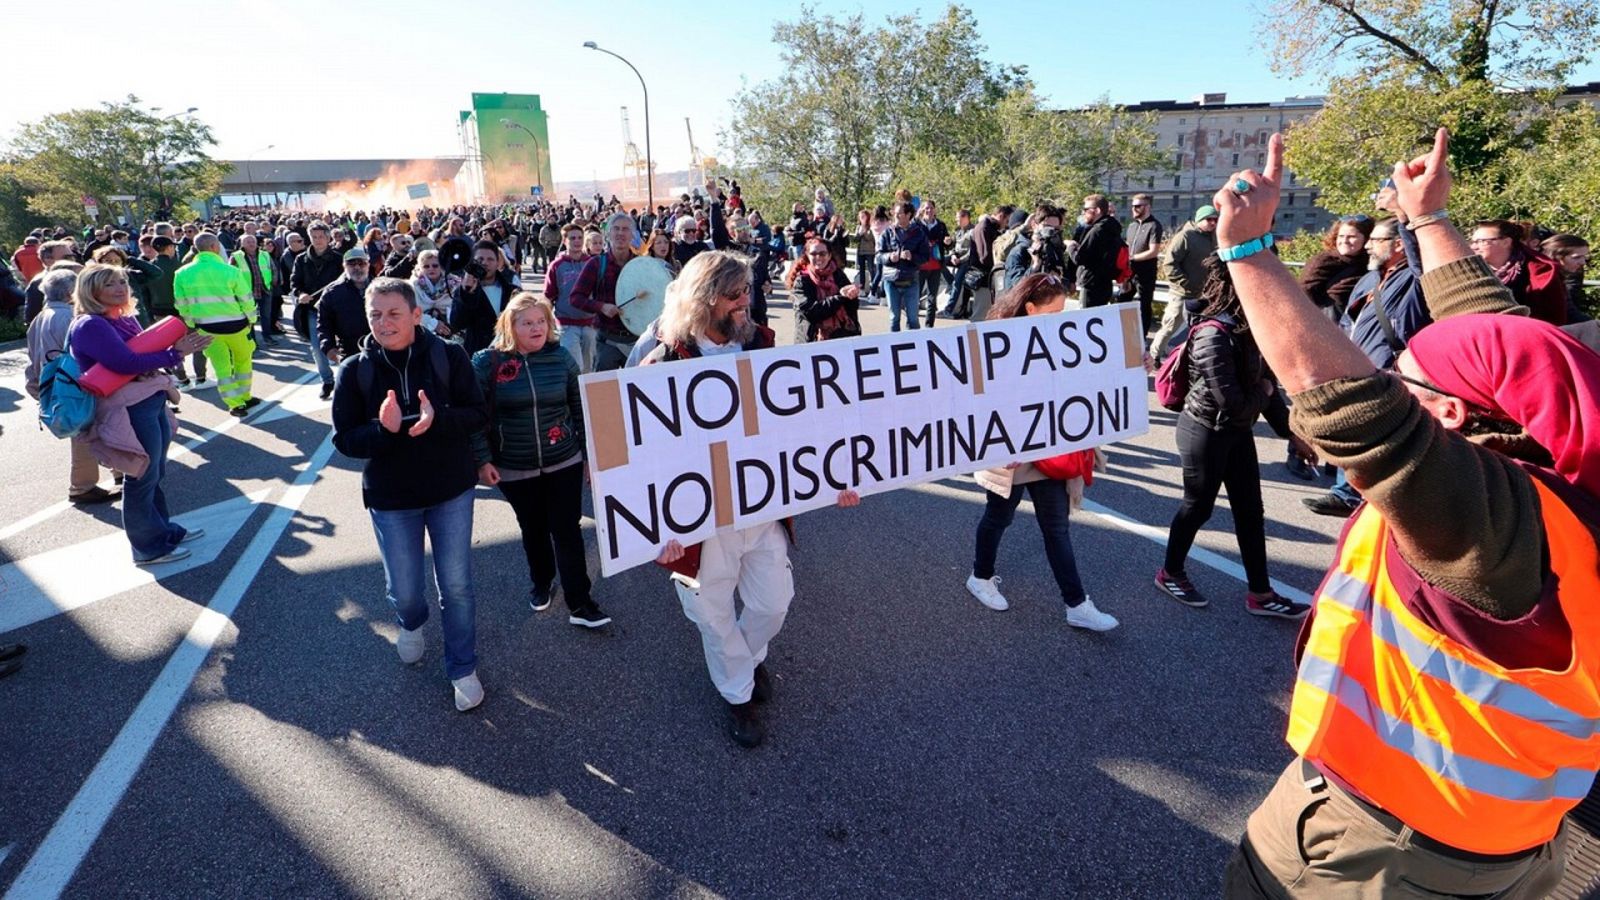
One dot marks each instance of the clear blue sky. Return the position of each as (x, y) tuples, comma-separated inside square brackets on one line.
[(385, 78)]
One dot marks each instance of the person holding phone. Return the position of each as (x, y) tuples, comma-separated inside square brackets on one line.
[(486, 286), (408, 404)]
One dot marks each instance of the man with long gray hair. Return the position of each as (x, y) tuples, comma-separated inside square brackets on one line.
[(707, 313)]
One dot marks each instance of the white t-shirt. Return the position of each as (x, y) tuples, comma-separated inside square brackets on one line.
[(708, 347), (496, 295)]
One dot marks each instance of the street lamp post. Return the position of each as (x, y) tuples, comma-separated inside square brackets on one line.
[(538, 170), (649, 162), (249, 174)]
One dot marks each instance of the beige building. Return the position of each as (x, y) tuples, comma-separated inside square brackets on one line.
[(1209, 139)]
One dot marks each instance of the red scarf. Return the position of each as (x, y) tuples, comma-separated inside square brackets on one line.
[(826, 282), (1528, 371)]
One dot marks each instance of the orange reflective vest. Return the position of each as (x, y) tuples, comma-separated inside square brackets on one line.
[(1465, 751)]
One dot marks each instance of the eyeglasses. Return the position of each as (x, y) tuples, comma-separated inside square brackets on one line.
[(1140, 206), (1380, 237), (1433, 388), (1356, 219)]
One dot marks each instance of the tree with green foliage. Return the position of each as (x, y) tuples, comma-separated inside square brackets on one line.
[(118, 148), (16, 219), (862, 109), (1489, 70)]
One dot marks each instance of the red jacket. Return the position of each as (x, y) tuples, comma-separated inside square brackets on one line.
[(1539, 287), (27, 262)]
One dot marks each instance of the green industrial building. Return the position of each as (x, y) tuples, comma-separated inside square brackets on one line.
[(506, 141)]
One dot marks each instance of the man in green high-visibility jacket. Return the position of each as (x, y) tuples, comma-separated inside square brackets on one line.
[(215, 297)]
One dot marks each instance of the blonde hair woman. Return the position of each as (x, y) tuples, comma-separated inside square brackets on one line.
[(533, 449), (132, 427)]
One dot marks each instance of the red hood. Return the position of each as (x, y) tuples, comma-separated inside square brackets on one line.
[(1528, 371)]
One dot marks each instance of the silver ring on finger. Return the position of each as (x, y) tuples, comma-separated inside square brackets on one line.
[(1240, 186)]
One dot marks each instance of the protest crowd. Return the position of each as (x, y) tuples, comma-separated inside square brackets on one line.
[(1440, 377)]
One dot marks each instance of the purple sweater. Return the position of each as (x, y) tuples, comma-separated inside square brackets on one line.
[(98, 339)]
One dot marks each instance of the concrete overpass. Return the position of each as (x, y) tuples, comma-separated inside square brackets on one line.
[(316, 176)]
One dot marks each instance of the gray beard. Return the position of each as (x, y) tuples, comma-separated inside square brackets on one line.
[(737, 334)]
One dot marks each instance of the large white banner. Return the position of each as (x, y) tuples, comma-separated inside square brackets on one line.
[(681, 450)]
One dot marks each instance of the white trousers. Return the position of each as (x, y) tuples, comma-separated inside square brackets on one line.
[(754, 560)]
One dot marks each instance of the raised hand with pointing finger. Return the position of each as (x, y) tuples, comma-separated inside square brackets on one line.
[(1249, 200)]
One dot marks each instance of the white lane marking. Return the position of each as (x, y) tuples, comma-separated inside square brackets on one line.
[(305, 400), (189, 446), (67, 578), (52, 865), (1199, 554)]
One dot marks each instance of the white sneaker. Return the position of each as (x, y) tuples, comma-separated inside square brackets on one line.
[(193, 534), (987, 590), (1085, 616), (469, 692), (410, 645), (204, 384)]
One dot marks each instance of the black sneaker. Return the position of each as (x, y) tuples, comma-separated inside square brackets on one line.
[(1179, 588), (252, 403), (539, 598), (327, 391), (588, 617), (1330, 504), (1270, 604), (763, 689), (1299, 468), (239, 412), (744, 725), (96, 494)]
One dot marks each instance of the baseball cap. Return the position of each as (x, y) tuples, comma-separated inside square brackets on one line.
[(355, 253), (1205, 212), (161, 242)]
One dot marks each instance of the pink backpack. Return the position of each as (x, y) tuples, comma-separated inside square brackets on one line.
[(1172, 379)]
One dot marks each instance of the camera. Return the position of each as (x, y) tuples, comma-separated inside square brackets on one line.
[(476, 270)]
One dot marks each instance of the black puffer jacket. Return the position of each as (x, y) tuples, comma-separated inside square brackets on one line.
[(1229, 383), (535, 420)]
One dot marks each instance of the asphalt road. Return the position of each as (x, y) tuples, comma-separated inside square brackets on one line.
[(919, 745)]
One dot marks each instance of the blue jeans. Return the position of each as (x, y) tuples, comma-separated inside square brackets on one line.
[(903, 299), (149, 526), (324, 368), (1343, 489), (1053, 510), (449, 528)]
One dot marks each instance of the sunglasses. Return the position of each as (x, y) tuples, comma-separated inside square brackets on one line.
[(1357, 219)]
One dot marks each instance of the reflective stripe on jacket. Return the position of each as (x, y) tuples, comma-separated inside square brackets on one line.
[(1463, 750), (209, 291)]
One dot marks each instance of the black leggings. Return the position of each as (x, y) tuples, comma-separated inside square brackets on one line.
[(548, 508), (1211, 460)]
